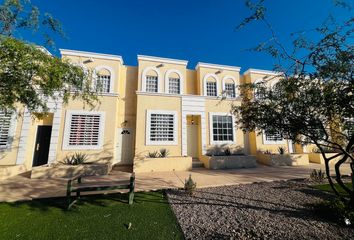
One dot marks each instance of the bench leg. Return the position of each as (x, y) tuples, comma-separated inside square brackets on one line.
[(68, 200), (78, 195), (131, 189), (131, 197)]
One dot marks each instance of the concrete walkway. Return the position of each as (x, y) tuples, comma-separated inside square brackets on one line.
[(23, 188)]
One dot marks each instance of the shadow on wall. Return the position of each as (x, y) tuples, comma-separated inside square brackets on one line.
[(105, 155), (224, 150), (5, 152)]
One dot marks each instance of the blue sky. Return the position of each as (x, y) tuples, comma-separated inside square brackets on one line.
[(193, 30)]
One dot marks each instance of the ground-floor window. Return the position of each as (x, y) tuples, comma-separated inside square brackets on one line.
[(272, 138), (221, 128), (161, 128), (6, 129), (84, 130)]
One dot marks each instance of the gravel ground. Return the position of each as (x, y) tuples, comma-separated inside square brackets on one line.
[(275, 210)]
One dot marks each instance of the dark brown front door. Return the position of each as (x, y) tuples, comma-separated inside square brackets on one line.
[(41, 148)]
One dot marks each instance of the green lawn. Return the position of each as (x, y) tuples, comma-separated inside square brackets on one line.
[(96, 217), (327, 187)]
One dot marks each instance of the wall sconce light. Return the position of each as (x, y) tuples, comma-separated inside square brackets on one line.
[(192, 120), (124, 124), (218, 72), (160, 65)]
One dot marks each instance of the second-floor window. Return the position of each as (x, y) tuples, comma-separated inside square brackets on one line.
[(103, 83), (174, 85), (151, 84), (211, 88), (230, 90)]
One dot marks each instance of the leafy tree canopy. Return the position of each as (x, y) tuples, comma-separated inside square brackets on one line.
[(312, 100), (29, 75)]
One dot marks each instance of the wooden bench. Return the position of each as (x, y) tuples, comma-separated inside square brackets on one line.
[(75, 184)]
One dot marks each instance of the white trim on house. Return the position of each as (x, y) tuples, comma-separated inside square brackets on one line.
[(55, 107), (67, 127), (149, 142), (217, 66), (162, 60), (145, 73), (186, 95), (91, 55), (260, 71), (267, 142), (205, 79), (167, 82), (211, 134), (227, 77), (112, 79), (193, 105)]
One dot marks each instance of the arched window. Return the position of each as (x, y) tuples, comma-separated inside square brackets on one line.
[(103, 82), (210, 84), (151, 78), (173, 82), (211, 87), (151, 83), (259, 91), (229, 86)]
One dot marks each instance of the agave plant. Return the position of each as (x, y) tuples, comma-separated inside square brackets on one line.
[(76, 159), (164, 152), (281, 150), (154, 154)]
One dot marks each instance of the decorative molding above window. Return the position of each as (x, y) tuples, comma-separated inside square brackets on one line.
[(221, 128), (83, 130), (145, 74), (229, 88), (105, 81), (172, 88), (209, 88), (161, 127), (7, 130)]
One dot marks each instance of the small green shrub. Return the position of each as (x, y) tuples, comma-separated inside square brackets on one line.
[(325, 150), (76, 159), (154, 154), (317, 176), (281, 150), (227, 152), (159, 154), (190, 185), (164, 152)]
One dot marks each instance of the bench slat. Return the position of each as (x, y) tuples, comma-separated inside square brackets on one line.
[(98, 188)]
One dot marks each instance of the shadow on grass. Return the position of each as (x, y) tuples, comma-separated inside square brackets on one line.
[(101, 200)]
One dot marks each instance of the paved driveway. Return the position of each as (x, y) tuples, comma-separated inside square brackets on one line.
[(24, 188)]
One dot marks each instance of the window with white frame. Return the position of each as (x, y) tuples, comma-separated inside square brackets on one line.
[(84, 130), (211, 88), (272, 138), (151, 84), (230, 90), (349, 127), (5, 129), (222, 128), (174, 85), (161, 128), (103, 83)]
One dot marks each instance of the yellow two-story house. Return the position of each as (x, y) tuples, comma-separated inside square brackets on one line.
[(158, 104)]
